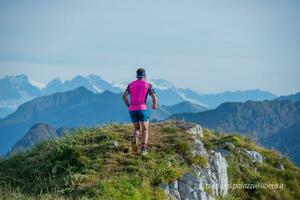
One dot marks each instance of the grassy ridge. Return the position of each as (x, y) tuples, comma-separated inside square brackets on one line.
[(98, 163), (89, 164)]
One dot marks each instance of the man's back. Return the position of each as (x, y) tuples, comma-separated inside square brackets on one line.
[(139, 90)]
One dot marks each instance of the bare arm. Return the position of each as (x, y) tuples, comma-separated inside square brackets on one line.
[(125, 98), (154, 101)]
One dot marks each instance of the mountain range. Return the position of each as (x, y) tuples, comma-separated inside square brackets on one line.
[(92, 82), (214, 100), (273, 123), (75, 108), (14, 87), (293, 97), (16, 90)]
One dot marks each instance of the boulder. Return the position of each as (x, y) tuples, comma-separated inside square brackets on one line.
[(255, 156), (280, 166), (228, 146), (115, 144), (223, 152), (192, 128)]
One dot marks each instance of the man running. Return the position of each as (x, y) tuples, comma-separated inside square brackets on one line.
[(138, 91)]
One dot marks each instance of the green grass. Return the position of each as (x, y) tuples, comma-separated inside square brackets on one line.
[(199, 160), (86, 165)]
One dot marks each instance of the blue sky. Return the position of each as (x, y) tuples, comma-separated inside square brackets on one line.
[(209, 46)]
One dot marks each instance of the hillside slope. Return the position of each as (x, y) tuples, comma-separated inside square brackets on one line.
[(4, 111), (260, 120), (184, 162), (286, 141)]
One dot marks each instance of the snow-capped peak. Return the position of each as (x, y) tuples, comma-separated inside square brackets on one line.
[(36, 84), (93, 77), (162, 84), (97, 89), (122, 85)]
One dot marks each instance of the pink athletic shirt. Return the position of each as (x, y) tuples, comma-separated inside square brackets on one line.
[(139, 90)]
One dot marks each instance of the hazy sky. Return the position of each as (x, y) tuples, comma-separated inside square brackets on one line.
[(209, 46)]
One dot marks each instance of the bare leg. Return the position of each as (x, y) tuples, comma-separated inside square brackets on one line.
[(137, 128), (144, 132), (134, 141)]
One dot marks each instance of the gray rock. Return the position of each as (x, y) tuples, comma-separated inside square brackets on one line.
[(228, 145), (193, 185), (115, 144), (194, 129), (280, 166), (223, 152), (199, 148), (174, 190), (164, 187), (255, 156), (219, 168)]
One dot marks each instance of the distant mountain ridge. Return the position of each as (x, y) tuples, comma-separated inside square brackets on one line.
[(92, 82), (16, 90), (292, 97), (184, 107), (170, 95), (13, 87), (214, 100), (266, 121), (286, 141), (38, 132)]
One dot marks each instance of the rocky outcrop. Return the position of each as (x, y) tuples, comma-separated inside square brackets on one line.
[(225, 149), (254, 156), (192, 128), (228, 146), (204, 183), (280, 166), (225, 153)]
